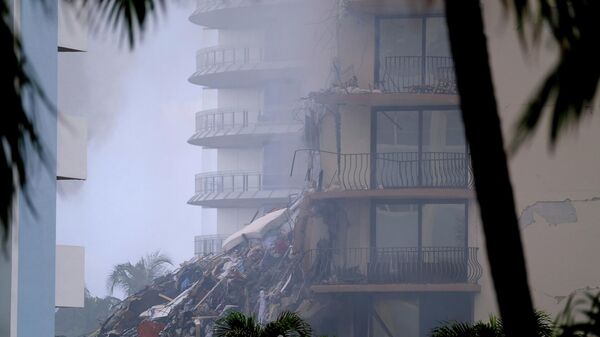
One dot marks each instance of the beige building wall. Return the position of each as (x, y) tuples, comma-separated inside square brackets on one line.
[(71, 162), (556, 191)]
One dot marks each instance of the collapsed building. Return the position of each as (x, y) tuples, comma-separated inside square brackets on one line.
[(259, 273), (381, 236)]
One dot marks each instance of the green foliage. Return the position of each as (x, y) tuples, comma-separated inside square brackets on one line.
[(493, 328), (568, 90), (75, 322), (132, 278), (588, 322), (287, 324)]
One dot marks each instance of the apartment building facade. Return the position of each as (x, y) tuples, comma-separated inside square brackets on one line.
[(253, 78), (396, 237), (394, 186)]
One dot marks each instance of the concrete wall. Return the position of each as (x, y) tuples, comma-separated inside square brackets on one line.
[(71, 162), (72, 33), (230, 220), (556, 190), (70, 267), (239, 159), (241, 38), (356, 49)]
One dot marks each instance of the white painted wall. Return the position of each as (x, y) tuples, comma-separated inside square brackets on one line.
[(229, 220), (240, 97), (239, 159), (72, 147), (70, 266), (240, 38), (72, 33)]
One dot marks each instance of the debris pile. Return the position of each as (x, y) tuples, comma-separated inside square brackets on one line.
[(260, 275)]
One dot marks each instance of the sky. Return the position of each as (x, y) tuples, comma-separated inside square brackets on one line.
[(140, 111)]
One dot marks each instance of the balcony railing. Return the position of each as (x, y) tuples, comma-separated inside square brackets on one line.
[(224, 119), (393, 265), (359, 171), (225, 182), (208, 244), (418, 74), (226, 56)]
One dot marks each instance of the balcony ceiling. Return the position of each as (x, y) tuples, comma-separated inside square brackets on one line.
[(395, 288), (387, 99), (246, 77), (247, 199), (396, 193), (395, 7), (248, 136), (262, 13)]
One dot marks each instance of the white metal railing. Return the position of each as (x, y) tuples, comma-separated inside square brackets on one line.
[(208, 244), (228, 118)]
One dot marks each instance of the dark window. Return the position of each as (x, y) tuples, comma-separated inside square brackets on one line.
[(425, 224), (419, 148), (414, 55)]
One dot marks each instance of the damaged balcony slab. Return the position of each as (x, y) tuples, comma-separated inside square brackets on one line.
[(398, 193), (379, 99), (389, 7), (395, 288)]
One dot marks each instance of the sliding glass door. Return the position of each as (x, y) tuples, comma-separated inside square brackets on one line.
[(419, 148), (413, 55), (419, 242)]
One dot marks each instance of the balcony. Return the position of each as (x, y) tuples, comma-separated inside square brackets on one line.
[(418, 75), (238, 14), (243, 189), (410, 174), (226, 67), (242, 127), (208, 244), (358, 267)]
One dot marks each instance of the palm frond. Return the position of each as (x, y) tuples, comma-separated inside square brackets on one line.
[(132, 278), (454, 329), (492, 328), (569, 89), (587, 324), (129, 18), (155, 264), (288, 324), (120, 277), (236, 324), (544, 324)]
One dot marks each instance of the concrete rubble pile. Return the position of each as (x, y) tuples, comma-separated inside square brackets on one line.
[(260, 276)]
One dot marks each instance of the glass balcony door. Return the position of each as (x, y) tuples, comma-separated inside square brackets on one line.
[(413, 148), (415, 315), (413, 55), (419, 242)]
